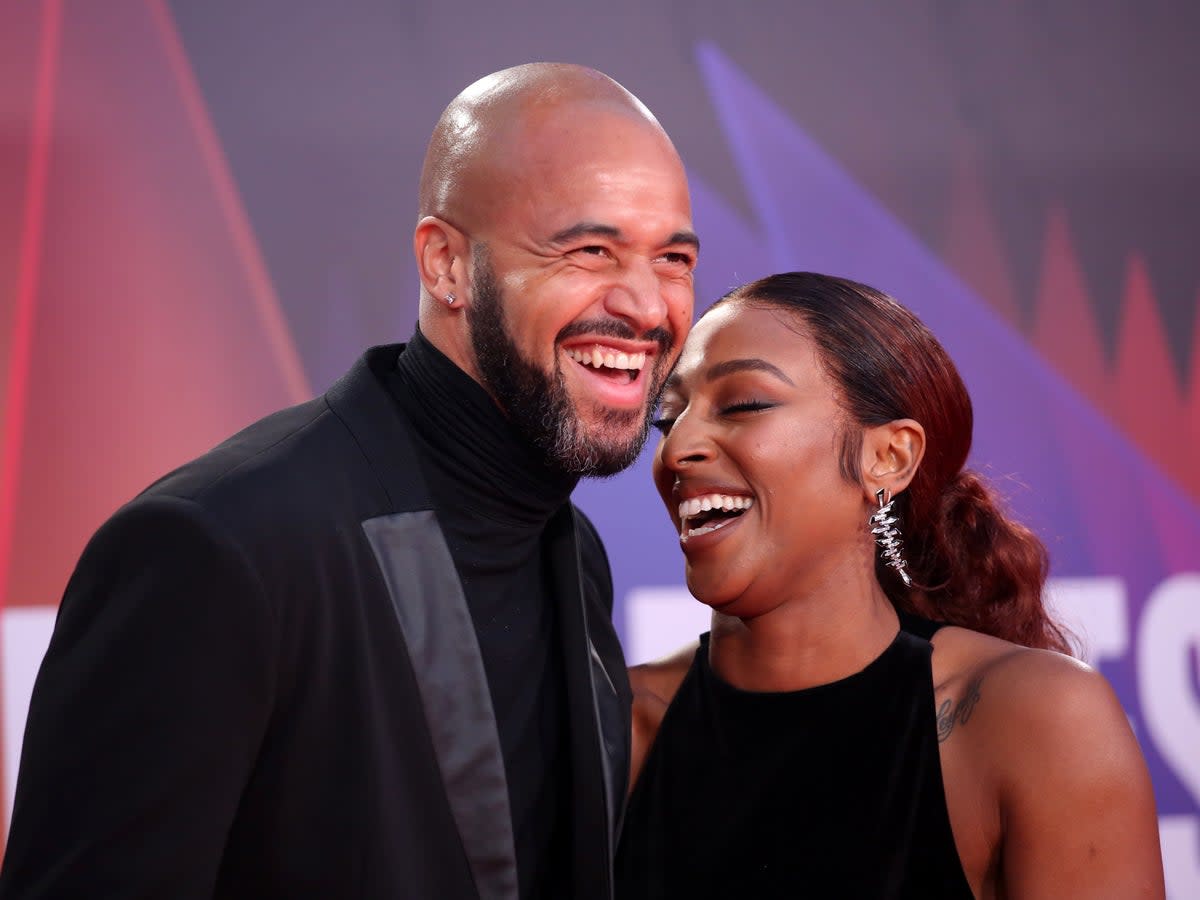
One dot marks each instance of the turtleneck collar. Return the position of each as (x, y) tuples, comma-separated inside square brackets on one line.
[(471, 444)]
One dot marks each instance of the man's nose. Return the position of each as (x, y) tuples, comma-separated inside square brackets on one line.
[(638, 298)]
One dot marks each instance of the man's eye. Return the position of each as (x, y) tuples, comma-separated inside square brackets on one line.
[(593, 250), (680, 259)]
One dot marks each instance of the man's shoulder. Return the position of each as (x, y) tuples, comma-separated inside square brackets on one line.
[(318, 463), (312, 447), (261, 458)]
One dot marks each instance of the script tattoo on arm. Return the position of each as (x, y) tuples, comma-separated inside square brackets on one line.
[(950, 713)]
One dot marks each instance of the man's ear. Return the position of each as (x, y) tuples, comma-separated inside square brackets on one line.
[(891, 454), (441, 252)]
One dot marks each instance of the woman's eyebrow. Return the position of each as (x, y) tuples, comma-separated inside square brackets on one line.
[(729, 366)]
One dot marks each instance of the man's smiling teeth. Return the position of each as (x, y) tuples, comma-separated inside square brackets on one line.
[(598, 357), (725, 502)]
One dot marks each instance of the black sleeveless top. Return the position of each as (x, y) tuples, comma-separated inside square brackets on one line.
[(830, 792)]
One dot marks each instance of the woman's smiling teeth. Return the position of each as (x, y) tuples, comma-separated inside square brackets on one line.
[(605, 357), (712, 511)]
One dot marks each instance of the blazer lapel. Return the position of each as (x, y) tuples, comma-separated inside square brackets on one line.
[(444, 652), (594, 719), (439, 635)]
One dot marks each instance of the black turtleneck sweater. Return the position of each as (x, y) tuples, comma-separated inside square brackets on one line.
[(493, 497)]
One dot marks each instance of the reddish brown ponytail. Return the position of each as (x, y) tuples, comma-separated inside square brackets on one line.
[(971, 564), (976, 567)]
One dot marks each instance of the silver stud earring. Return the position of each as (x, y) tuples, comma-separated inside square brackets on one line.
[(884, 525), (450, 298)]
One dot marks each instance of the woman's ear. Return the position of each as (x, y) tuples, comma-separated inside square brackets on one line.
[(891, 455), (441, 252)]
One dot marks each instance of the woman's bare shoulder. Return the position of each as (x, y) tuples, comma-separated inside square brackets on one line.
[(1017, 684), (1021, 698), (1046, 730), (1045, 736), (1048, 734), (654, 687), (659, 679)]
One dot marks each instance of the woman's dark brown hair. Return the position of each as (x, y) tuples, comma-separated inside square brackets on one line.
[(970, 564)]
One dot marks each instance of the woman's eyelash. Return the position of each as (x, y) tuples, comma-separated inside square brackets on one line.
[(663, 424), (746, 406)]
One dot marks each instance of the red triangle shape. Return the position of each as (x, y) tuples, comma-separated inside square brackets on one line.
[(1064, 324), (1191, 472), (972, 246), (1146, 394), (20, 48), (157, 331)]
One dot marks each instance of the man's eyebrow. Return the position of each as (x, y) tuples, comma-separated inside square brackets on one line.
[(597, 229), (585, 229), (685, 237), (730, 366)]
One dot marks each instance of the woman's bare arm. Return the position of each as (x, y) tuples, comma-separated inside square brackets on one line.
[(1076, 802)]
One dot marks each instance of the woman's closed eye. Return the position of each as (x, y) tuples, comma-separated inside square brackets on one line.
[(664, 420), (745, 406), (662, 424)]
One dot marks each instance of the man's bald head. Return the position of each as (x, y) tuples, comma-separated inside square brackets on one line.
[(554, 241), (482, 137)]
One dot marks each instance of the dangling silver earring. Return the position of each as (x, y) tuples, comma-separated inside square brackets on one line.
[(450, 298), (887, 535)]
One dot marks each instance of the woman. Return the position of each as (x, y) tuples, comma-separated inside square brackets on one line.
[(828, 739)]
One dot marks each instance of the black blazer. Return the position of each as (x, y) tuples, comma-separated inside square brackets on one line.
[(264, 682)]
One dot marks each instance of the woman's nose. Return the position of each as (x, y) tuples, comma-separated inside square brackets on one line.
[(686, 444)]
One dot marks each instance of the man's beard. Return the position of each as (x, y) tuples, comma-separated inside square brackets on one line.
[(539, 404)]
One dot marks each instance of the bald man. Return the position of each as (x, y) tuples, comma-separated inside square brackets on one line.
[(364, 647)]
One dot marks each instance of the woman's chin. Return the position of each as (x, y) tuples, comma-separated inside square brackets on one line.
[(729, 602), (719, 597)]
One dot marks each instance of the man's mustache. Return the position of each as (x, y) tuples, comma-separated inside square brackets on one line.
[(615, 328)]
